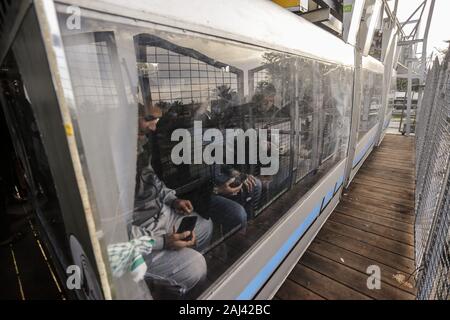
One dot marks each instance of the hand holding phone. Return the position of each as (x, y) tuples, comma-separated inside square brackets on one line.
[(238, 180), (187, 224)]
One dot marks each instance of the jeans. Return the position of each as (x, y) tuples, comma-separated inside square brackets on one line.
[(180, 271), (232, 212)]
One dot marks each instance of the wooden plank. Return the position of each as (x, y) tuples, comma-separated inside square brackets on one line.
[(366, 172), (388, 159), (394, 201), (383, 190), (374, 253), (291, 290), (368, 182), (372, 200), (399, 165), (392, 173), (394, 153), (382, 165), (390, 154), (360, 263), (396, 164), (372, 225), (364, 225), (377, 219), (352, 278), (328, 288), (396, 247), (382, 212), (385, 182)]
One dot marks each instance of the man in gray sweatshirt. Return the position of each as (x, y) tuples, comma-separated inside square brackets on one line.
[(175, 263)]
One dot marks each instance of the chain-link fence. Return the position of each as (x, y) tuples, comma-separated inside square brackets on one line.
[(432, 233)]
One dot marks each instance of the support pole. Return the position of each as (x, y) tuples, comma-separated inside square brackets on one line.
[(423, 65), (425, 42), (409, 97)]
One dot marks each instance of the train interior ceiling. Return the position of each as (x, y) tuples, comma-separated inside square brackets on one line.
[(125, 77)]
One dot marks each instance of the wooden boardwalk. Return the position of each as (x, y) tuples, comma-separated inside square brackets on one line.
[(372, 226)]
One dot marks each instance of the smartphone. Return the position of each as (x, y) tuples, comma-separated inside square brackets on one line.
[(238, 180), (187, 224)]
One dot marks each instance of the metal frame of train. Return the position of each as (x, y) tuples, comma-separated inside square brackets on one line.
[(81, 66)]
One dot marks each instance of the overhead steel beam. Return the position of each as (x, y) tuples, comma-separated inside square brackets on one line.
[(335, 7), (353, 10), (409, 42), (410, 22), (367, 30), (425, 37), (318, 15), (415, 11), (393, 15), (423, 66), (324, 18)]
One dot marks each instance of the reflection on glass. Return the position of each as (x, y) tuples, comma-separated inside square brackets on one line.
[(391, 101), (371, 101), (179, 80)]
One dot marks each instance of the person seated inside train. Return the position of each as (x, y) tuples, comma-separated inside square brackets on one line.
[(264, 102), (176, 261), (148, 146), (235, 197)]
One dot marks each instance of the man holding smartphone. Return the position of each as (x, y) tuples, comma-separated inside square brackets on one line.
[(176, 262), (235, 196)]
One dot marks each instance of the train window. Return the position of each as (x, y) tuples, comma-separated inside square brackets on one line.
[(308, 117), (372, 88), (336, 110), (156, 104), (273, 90)]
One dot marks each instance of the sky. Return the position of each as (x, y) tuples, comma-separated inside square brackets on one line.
[(440, 25)]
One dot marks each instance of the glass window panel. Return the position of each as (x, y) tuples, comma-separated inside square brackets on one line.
[(184, 59), (163, 74), (261, 89), (185, 74), (185, 66), (161, 51), (174, 59), (174, 66), (165, 95), (174, 73), (195, 80), (372, 87)]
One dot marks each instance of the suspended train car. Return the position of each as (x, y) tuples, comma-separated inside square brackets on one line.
[(107, 84)]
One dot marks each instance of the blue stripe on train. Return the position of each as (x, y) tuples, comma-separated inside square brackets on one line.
[(363, 152), (261, 278)]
